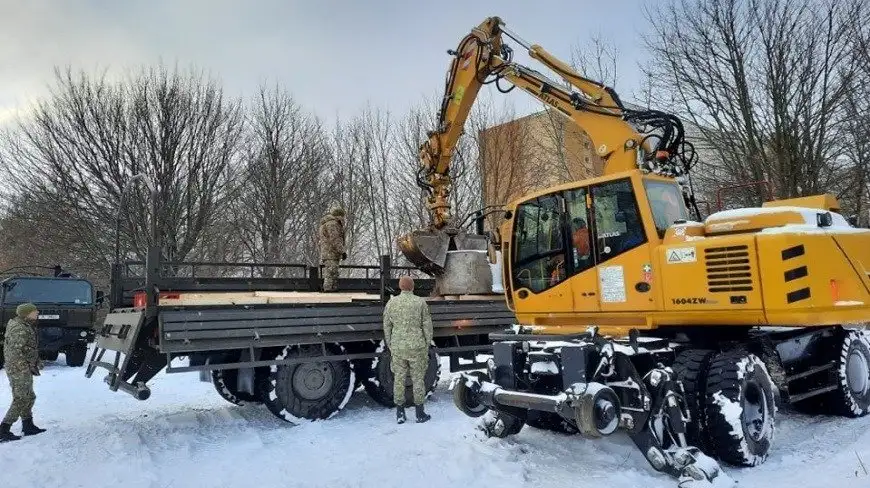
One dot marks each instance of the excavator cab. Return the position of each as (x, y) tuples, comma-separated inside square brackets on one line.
[(586, 247)]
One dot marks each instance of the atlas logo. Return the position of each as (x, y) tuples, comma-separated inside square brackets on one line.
[(689, 301)]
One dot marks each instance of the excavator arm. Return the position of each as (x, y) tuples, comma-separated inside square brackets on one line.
[(625, 139)]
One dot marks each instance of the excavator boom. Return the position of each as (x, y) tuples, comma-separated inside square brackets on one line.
[(483, 57)]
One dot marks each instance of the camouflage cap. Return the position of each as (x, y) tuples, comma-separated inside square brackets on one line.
[(25, 309), (336, 210)]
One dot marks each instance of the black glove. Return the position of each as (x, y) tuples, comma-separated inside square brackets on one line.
[(344, 256)]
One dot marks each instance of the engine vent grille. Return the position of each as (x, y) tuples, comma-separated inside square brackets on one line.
[(728, 269)]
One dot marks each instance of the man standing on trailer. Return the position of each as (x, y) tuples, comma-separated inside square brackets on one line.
[(332, 248), (408, 333), (21, 348)]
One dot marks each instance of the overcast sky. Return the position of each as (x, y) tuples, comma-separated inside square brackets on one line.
[(334, 56)]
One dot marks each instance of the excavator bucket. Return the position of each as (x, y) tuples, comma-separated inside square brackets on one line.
[(426, 249), (457, 260)]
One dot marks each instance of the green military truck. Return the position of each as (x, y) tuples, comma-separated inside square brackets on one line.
[(67, 311)]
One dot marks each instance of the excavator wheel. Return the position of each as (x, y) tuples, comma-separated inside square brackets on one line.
[(852, 396), (464, 400), (740, 408), (690, 366)]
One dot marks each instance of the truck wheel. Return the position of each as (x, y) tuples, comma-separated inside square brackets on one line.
[(690, 367), (313, 390), (741, 408), (852, 397), (76, 354), (224, 378), (362, 369), (501, 424), (380, 385)]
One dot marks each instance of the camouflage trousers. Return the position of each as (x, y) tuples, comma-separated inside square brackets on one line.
[(414, 362), (23, 396), (330, 274)]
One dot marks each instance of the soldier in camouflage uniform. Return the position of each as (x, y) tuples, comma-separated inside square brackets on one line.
[(21, 349), (332, 246), (408, 334)]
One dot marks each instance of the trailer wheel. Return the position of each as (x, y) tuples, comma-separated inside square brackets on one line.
[(741, 408), (852, 397), (76, 354), (308, 391), (690, 367), (380, 385), (224, 378)]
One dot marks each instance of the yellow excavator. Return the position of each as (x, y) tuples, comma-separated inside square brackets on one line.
[(635, 316)]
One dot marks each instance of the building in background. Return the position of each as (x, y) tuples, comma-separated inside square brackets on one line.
[(532, 153)]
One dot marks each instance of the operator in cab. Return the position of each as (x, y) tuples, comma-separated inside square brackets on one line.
[(408, 334), (21, 349), (581, 251)]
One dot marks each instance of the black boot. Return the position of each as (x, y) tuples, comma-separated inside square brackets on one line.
[(400, 414), (29, 428), (421, 415), (5, 435)]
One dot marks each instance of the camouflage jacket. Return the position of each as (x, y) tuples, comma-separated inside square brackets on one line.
[(21, 345), (331, 238), (407, 323)]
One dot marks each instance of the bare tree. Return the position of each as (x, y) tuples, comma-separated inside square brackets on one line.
[(506, 157), (84, 142), (287, 150), (763, 81)]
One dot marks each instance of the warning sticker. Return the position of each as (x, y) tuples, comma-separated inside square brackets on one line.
[(612, 281), (681, 255)]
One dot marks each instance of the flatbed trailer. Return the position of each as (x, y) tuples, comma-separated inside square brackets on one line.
[(278, 341)]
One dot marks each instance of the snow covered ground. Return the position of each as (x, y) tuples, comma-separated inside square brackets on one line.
[(186, 436)]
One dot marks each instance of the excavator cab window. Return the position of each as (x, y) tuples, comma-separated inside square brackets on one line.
[(581, 245), (539, 259), (618, 225), (667, 204)]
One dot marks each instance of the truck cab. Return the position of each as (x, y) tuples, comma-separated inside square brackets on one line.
[(67, 313)]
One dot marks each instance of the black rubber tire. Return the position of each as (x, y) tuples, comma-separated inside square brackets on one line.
[(284, 401), (363, 370), (379, 385), (844, 400), (512, 425), (76, 355), (48, 355), (549, 421), (690, 367), (461, 400), (223, 378), (733, 379)]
